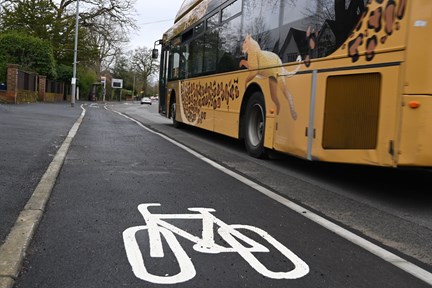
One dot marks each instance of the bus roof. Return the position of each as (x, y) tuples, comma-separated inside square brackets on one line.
[(185, 7), (190, 12)]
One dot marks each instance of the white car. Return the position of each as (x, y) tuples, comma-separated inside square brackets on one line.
[(146, 100)]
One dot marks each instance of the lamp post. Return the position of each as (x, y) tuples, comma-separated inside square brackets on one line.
[(133, 87), (74, 80)]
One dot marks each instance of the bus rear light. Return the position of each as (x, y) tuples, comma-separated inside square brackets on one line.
[(414, 104)]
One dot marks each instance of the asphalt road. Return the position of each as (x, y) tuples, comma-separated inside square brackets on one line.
[(93, 235), (389, 206), (30, 136)]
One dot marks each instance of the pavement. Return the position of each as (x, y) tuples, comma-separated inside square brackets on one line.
[(13, 248)]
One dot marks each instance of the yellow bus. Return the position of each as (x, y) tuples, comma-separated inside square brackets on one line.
[(347, 81)]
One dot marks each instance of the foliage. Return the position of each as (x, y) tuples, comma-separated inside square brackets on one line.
[(103, 30), (54, 21), (23, 15), (31, 53), (86, 79), (64, 73)]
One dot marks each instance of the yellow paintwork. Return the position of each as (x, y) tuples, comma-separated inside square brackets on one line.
[(418, 78), (406, 76), (416, 142)]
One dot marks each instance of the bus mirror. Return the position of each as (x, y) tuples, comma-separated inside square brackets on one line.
[(155, 53)]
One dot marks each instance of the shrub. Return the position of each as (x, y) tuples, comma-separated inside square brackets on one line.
[(31, 53)]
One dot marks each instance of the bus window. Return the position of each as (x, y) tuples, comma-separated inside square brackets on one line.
[(199, 29), (174, 63), (211, 50), (261, 15), (211, 43), (261, 20), (213, 21), (231, 10), (195, 61), (184, 59), (327, 23), (229, 47)]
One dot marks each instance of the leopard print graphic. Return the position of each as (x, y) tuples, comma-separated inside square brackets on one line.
[(375, 27), (195, 96)]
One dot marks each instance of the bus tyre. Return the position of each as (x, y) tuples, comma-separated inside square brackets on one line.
[(255, 126), (175, 123)]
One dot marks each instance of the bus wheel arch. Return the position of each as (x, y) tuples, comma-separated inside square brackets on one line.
[(252, 121)]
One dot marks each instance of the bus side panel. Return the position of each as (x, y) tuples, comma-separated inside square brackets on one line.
[(207, 116), (193, 110), (210, 103), (364, 129), (227, 103), (290, 134), (226, 122), (356, 116), (358, 110), (419, 49), (416, 132), (416, 140)]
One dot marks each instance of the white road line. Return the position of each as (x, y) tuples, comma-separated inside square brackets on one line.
[(399, 262)]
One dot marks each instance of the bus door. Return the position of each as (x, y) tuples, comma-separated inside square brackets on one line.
[(163, 80)]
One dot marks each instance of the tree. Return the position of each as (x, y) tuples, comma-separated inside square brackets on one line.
[(54, 20), (109, 43), (145, 66), (86, 78), (31, 53), (23, 16), (103, 30)]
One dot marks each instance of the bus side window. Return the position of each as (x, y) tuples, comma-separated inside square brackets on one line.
[(196, 56), (262, 19), (229, 53), (211, 50), (231, 10), (184, 60), (174, 64), (211, 42)]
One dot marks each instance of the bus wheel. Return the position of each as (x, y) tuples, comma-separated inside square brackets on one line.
[(255, 126), (175, 123)]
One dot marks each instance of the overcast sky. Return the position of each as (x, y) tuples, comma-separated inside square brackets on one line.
[(154, 18)]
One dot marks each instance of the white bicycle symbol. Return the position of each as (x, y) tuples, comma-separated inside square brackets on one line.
[(230, 234)]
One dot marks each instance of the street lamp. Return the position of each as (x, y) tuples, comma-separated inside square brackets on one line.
[(133, 86), (74, 80)]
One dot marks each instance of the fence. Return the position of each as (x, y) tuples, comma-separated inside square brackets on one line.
[(23, 87), (54, 91), (26, 87)]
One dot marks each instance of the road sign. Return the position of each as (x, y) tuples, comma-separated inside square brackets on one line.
[(117, 83)]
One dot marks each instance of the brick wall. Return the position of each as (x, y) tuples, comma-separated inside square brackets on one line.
[(14, 94), (42, 87), (10, 95)]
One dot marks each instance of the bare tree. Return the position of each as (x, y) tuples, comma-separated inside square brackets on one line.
[(110, 42), (145, 66)]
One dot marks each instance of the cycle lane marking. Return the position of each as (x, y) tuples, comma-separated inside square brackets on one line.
[(229, 232), (378, 251)]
